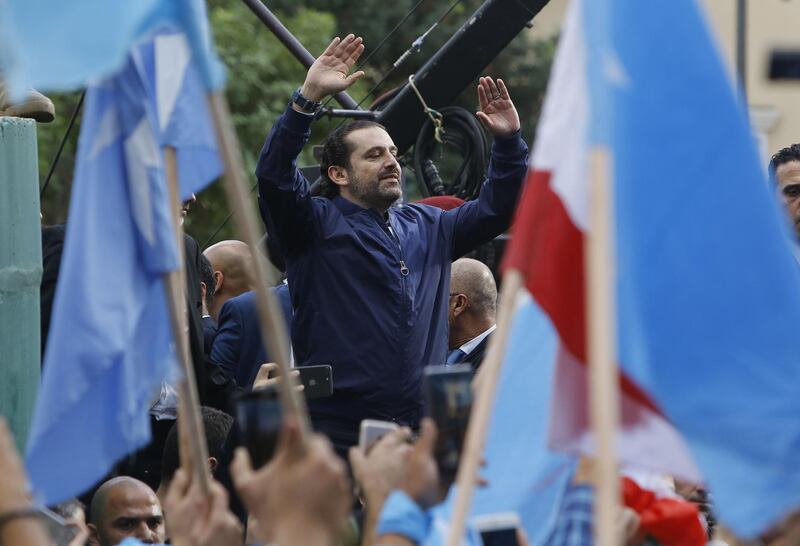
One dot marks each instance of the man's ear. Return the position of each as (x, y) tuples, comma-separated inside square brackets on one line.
[(219, 278), (461, 303), (94, 538), (338, 175), (212, 464)]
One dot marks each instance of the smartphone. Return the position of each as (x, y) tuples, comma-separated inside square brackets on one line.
[(498, 529), (317, 381), (448, 399), (372, 430), (60, 532), (259, 415)]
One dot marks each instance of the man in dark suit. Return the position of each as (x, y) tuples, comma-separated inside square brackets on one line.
[(471, 311), (237, 347), (207, 289), (232, 264), (52, 248), (215, 387)]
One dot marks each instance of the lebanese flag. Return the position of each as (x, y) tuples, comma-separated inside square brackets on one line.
[(548, 248), (663, 515)]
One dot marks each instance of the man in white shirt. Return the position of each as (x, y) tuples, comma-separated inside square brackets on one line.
[(471, 311)]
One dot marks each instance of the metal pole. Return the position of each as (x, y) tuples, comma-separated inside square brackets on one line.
[(741, 43), (20, 274), (293, 45)]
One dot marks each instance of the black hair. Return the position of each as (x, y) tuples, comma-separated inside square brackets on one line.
[(207, 278), (336, 151), (216, 423), (782, 156)]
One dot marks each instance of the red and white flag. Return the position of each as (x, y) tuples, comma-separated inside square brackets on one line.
[(548, 248)]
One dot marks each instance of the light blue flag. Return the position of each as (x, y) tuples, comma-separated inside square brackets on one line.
[(54, 45), (708, 289), (174, 85), (109, 345), (523, 475)]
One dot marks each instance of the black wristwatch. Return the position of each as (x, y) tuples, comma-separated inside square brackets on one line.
[(306, 105)]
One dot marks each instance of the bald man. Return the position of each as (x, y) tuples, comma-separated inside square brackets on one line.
[(232, 264), (125, 507), (471, 313)]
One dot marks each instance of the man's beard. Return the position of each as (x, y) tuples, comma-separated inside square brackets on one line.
[(373, 192)]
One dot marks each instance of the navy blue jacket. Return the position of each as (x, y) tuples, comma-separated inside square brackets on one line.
[(237, 345), (209, 331), (355, 308)]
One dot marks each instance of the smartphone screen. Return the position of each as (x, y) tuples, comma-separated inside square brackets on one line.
[(372, 430), (498, 529), (500, 537), (448, 398), (258, 417)]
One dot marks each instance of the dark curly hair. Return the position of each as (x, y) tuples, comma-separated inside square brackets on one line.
[(335, 151), (782, 156), (216, 423), (207, 277)]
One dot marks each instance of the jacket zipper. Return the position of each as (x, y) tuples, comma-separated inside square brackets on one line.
[(406, 303), (403, 268)]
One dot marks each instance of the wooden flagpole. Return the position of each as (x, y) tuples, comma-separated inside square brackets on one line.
[(190, 423), (486, 389), (602, 347), (270, 316)]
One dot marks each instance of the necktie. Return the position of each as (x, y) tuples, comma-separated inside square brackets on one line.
[(455, 356)]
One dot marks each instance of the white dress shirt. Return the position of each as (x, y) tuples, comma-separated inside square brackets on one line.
[(470, 345)]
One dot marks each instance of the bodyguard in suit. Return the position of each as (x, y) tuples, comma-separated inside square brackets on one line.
[(232, 264), (237, 346), (472, 308)]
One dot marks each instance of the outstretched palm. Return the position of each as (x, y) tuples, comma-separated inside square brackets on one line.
[(497, 111), (328, 74)]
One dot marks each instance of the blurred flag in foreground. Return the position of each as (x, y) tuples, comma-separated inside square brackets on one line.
[(523, 475), (110, 342), (708, 293), (55, 45)]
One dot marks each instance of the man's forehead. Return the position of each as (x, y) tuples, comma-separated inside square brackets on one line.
[(369, 137), (788, 172), (132, 502)]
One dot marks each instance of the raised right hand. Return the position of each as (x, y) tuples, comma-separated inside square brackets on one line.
[(302, 489), (329, 73)]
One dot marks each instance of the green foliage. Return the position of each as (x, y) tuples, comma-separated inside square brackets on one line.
[(262, 74), (261, 77), (55, 202)]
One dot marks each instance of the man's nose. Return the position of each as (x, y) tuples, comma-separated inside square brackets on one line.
[(391, 162), (145, 534)]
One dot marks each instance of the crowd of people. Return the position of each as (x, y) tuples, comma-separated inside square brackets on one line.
[(378, 292)]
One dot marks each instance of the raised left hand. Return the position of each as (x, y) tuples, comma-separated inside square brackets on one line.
[(497, 112), (380, 471), (268, 376)]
